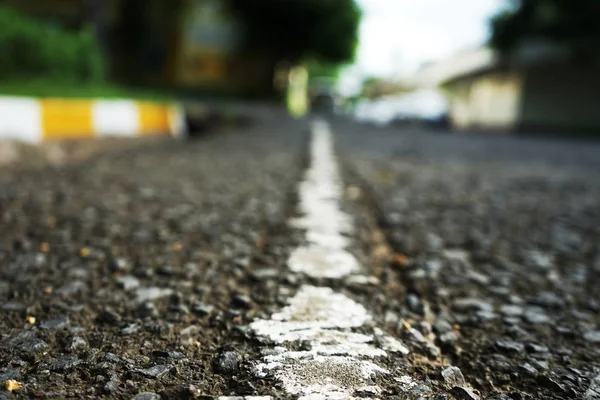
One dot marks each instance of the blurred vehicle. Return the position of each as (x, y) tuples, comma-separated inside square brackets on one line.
[(323, 96), (424, 107)]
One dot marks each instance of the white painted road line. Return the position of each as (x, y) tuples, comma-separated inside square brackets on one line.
[(335, 361)]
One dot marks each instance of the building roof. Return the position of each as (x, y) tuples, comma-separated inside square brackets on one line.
[(476, 61)]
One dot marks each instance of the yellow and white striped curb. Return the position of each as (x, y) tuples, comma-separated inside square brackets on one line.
[(37, 120)]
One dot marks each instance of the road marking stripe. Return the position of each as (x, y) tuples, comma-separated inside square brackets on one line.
[(336, 361)]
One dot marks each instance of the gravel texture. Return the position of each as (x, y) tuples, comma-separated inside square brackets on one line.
[(125, 275), (497, 246)]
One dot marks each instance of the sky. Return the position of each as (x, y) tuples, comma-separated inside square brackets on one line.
[(397, 36)]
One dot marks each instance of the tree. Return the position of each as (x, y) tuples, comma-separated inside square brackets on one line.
[(299, 30), (565, 22)]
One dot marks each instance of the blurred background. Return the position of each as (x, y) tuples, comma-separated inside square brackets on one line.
[(500, 65)]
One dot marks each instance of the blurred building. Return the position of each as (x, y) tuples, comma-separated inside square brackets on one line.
[(540, 88), (178, 44)]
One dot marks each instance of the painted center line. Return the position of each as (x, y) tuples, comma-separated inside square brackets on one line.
[(330, 359)]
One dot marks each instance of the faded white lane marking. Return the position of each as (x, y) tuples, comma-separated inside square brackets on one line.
[(328, 360)]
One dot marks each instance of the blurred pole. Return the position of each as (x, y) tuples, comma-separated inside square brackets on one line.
[(95, 18), (297, 91)]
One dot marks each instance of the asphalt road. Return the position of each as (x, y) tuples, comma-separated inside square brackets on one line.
[(302, 260)]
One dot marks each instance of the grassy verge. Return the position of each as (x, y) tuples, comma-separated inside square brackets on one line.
[(44, 88)]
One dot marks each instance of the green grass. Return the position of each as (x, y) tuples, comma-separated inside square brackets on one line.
[(45, 88)]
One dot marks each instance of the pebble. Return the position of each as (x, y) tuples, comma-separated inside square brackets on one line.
[(13, 307), (64, 363), (147, 309), (540, 365), (592, 336), (509, 346), (227, 363), (202, 309), (77, 343), (448, 338), (536, 315), (593, 392), (128, 282), (453, 377), (146, 396), (152, 293), (34, 346), (464, 393), (547, 300), (527, 369), (471, 304), (549, 383), (156, 371), (110, 387), (240, 300), (536, 348), (108, 318), (442, 326), (415, 336), (56, 324), (511, 310), (71, 289)]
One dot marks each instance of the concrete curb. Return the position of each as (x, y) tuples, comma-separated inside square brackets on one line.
[(37, 120)]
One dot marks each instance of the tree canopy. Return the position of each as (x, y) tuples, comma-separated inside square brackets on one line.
[(566, 22), (296, 30)]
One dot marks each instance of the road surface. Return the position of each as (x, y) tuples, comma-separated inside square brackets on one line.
[(304, 259)]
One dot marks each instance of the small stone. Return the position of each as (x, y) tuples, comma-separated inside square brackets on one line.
[(34, 346), (471, 304), (453, 377), (146, 396), (265, 273), (202, 309), (510, 347), (179, 309), (527, 369), (592, 336), (449, 338), (540, 365), (130, 329), (110, 387), (77, 343), (56, 324), (549, 383), (536, 315), (147, 309), (442, 326), (510, 310), (166, 270), (415, 336), (156, 371), (71, 289), (13, 306), (128, 282), (64, 363), (9, 374), (425, 328), (547, 300), (433, 243), (108, 318), (118, 264), (593, 392), (240, 300), (152, 293), (227, 363), (464, 393), (432, 351), (536, 348)]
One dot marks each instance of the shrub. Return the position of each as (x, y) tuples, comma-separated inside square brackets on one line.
[(32, 48)]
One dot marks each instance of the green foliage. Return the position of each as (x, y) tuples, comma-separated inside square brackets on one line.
[(32, 48), (566, 22), (297, 30)]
